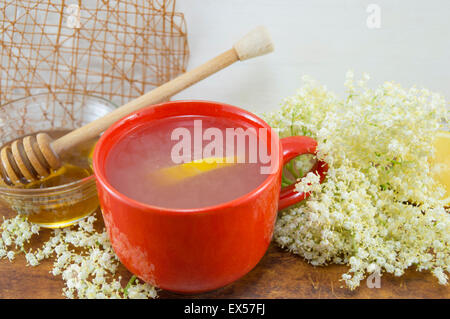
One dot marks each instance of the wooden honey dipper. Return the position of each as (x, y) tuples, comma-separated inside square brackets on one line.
[(34, 157)]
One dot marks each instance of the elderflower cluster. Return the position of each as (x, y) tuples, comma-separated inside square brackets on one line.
[(15, 233), (379, 208), (82, 256)]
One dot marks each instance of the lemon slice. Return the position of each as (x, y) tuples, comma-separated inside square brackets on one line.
[(177, 173), (440, 163)]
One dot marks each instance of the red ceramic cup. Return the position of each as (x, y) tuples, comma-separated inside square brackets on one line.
[(195, 250)]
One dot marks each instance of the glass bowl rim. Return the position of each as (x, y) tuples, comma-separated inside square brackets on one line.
[(69, 187)]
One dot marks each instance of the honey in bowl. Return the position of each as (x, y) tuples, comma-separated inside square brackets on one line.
[(60, 206)]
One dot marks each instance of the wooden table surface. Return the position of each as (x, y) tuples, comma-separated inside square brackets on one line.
[(280, 274)]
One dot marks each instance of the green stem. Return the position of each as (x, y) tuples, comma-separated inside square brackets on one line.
[(285, 180), (130, 282), (290, 168)]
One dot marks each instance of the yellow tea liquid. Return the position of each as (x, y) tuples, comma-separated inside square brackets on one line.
[(59, 209)]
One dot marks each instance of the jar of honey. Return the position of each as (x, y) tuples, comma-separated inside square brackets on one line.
[(68, 194)]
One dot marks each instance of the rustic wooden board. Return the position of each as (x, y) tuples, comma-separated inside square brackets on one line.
[(280, 274)]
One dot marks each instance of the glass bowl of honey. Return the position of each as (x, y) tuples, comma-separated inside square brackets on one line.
[(69, 193)]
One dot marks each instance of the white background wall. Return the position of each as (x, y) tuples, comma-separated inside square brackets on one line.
[(321, 38)]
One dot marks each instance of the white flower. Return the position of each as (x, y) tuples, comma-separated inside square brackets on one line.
[(60, 248), (82, 256), (31, 259), (438, 272), (377, 143), (10, 255)]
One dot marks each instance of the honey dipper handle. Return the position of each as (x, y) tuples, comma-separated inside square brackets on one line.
[(256, 42)]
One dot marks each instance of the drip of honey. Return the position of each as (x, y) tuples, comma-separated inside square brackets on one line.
[(59, 210)]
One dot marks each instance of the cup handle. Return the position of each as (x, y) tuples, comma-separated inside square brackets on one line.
[(292, 147)]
